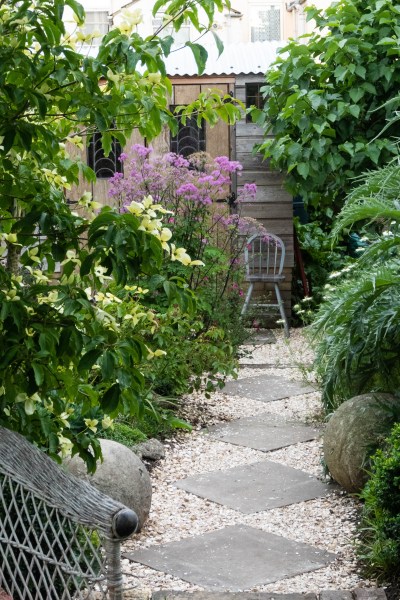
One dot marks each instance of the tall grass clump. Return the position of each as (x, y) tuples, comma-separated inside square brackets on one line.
[(357, 326)]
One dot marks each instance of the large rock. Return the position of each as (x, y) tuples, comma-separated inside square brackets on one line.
[(121, 475), (352, 434)]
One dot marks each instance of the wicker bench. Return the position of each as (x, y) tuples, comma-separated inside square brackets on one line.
[(59, 537)]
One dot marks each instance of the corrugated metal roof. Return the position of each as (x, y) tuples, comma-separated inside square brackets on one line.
[(244, 57)]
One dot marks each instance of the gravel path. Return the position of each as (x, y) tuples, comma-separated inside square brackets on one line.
[(328, 522)]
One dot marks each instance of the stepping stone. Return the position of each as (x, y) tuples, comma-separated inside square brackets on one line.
[(256, 487), (266, 388), (264, 432), (263, 336), (233, 559), (180, 595)]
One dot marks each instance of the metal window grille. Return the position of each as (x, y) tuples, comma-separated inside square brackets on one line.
[(190, 137), (267, 27), (104, 166), (254, 97), (59, 537)]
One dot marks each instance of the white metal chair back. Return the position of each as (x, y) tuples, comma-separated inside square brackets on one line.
[(264, 256)]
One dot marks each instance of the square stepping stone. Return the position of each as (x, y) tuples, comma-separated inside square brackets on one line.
[(255, 487), (264, 432), (266, 388), (260, 337), (234, 558), (181, 595)]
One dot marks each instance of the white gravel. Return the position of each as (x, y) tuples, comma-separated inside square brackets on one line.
[(328, 523)]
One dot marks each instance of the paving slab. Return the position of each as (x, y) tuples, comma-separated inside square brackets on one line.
[(266, 388), (264, 432), (183, 595), (261, 337), (369, 594), (335, 595), (256, 487), (233, 559)]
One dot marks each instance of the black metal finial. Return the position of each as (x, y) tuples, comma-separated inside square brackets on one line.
[(125, 523)]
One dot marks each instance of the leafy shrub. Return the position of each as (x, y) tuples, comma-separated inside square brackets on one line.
[(379, 545), (194, 192), (328, 99)]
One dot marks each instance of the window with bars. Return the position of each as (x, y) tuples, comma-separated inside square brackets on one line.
[(104, 166), (97, 21), (190, 137), (254, 97), (265, 23)]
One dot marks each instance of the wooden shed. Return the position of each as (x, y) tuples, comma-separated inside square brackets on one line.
[(238, 71)]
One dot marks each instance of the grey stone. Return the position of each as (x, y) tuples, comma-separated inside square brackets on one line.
[(255, 487), (260, 337), (266, 388), (182, 595), (233, 559), (150, 450), (121, 475), (369, 594), (264, 432), (352, 434), (336, 595)]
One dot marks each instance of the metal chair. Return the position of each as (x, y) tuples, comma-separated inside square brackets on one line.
[(264, 256), (60, 537)]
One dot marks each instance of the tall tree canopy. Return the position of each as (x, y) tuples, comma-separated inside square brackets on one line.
[(52, 332)]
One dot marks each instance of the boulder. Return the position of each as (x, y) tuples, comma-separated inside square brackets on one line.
[(353, 433), (121, 475)]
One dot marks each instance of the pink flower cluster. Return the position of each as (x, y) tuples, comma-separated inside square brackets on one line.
[(171, 178)]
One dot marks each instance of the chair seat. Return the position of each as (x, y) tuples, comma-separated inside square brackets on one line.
[(265, 278)]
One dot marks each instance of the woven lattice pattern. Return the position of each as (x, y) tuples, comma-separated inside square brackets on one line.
[(43, 554), (59, 536)]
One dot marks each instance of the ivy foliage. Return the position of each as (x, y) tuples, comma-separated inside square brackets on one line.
[(327, 100), (69, 359)]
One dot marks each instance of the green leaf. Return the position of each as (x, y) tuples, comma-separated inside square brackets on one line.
[(355, 110), (200, 55), (88, 360), (356, 94), (218, 41), (39, 373), (303, 169), (110, 400)]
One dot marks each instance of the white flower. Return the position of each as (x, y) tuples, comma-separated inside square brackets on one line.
[(107, 422), (91, 424), (65, 446)]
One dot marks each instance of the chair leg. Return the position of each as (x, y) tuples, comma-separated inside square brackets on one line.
[(247, 300), (282, 309)]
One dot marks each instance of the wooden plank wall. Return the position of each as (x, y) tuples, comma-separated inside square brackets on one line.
[(273, 204)]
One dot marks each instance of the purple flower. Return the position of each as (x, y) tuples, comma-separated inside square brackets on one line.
[(141, 151)]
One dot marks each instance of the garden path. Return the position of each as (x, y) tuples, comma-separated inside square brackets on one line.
[(241, 557)]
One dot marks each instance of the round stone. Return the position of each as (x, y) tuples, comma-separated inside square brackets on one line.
[(121, 475), (355, 430)]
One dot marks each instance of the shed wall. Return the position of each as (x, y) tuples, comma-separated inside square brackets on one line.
[(273, 204)]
